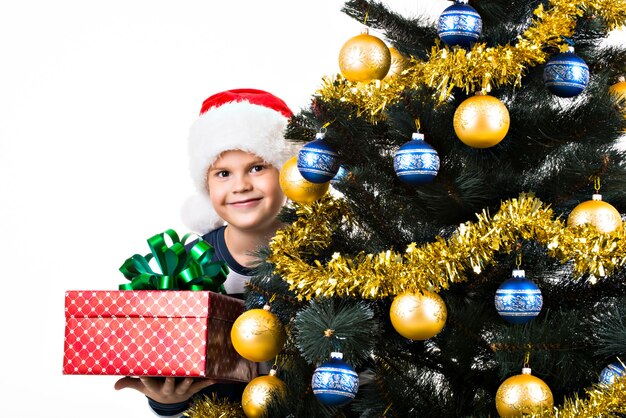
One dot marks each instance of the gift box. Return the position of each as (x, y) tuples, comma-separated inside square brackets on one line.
[(153, 333)]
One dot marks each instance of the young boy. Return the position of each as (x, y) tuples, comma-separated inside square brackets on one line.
[(236, 150)]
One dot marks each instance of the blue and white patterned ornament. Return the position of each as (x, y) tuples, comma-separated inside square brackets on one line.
[(518, 300), (612, 372), (416, 162), (317, 161), (335, 383), (459, 24), (341, 175), (566, 74)]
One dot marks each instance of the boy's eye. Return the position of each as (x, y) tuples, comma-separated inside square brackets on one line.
[(222, 173), (257, 168)]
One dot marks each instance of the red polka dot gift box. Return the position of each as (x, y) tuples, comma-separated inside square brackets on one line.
[(153, 333)]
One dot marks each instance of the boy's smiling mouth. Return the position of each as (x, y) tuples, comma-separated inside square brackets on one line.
[(245, 202)]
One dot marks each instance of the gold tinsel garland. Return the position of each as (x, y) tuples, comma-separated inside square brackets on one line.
[(435, 265), (601, 401), (214, 408), (482, 66)]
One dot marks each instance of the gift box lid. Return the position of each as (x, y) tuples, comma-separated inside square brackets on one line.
[(151, 303)]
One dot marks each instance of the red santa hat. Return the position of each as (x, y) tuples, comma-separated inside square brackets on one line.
[(240, 119)]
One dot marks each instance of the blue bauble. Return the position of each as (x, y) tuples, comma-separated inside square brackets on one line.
[(566, 74), (335, 383), (518, 300), (460, 24), (416, 162), (611, 372), (341, 175), (317, 161)]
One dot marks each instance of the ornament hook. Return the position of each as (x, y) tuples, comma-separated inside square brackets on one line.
[(596, 184), (527, 357)]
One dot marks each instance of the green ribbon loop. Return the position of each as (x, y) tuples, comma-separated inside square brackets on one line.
[(181, 268)]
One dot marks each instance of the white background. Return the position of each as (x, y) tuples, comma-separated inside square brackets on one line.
[(96, 99)]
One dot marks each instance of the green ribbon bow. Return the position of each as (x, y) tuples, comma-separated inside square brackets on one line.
[(181, 269)]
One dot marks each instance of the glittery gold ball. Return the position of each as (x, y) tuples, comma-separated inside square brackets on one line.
[(523, 394), (618, 90), (364, 58), (399, 63), (296, 187), (257, 335), (258, 394), (418, 316), (596, 212), (481, 121)]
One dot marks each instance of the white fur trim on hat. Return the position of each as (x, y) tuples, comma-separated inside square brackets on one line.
[(198, 214), (231, 126)]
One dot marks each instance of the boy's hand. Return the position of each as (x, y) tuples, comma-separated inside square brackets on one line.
[(165, 391)]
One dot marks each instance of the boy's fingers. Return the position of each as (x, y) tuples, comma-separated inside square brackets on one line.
[(151, 384), (201, 384), (183, 386), (168, 386), (129, 382)]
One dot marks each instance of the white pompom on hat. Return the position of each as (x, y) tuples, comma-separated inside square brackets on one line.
[(241, 119)]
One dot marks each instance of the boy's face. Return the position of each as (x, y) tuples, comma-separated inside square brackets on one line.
[(244, 190)]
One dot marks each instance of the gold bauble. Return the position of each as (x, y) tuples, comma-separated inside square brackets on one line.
[(364, 58), (619, 89), (418, 316), (258, 393), (258, 335), (296, 187), (523, 394), (399, 63), (596, 212), (481, 121)]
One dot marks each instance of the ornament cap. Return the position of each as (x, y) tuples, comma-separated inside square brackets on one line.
[(462, 1), (320, 135), (336, 355), (365, 31), (526, 370), (570, 49), (621, 78), (417, 136), (596, 196), (267, 307), (272, 372), (520, 274)]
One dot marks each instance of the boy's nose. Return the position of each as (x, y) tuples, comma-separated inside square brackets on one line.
[(243, 184)]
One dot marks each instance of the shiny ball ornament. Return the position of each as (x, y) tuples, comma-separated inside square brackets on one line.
[(335, 383), (399, 63), (459, 24), (259, 393), (618, 90), (317, 161), (258, 335), (416, 162), (566, 74), (418, 316), (364, 58), (481, 121), (296, 187), (596, 212), (523, 394), (612, 372), (342, 174), (518, 300)]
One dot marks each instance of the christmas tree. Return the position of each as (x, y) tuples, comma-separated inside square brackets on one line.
[(407, 269)]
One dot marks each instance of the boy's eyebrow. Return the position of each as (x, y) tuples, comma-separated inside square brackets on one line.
[(249, 164)]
